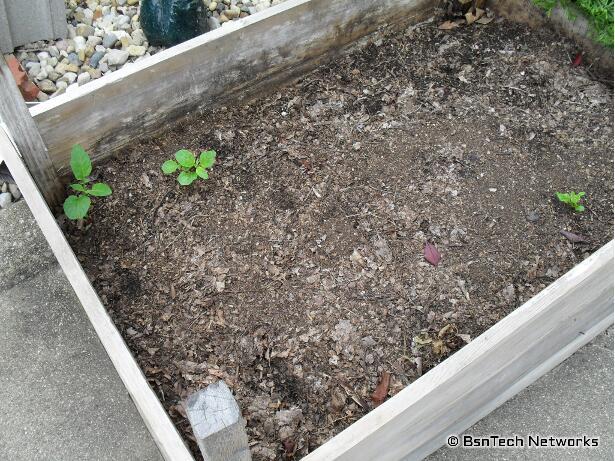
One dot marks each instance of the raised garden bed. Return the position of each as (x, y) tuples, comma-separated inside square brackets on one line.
[(296, 273)]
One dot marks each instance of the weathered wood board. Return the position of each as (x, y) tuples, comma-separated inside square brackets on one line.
[(14, 113), (491, 369), (239, 60)]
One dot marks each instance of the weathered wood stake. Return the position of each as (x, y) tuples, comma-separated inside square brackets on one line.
[(25, 134), (217, 424)]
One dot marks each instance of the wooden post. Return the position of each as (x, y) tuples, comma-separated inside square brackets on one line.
[(25, 134), (216, 422)]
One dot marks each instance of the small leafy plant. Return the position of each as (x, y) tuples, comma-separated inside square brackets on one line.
[(76, 206), (190, 168), (571, 199)]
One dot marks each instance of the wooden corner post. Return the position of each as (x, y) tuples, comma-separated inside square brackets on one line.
[(22, 128)]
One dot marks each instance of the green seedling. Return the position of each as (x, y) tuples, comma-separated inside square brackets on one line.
[(76, 206), (190, 168), (571, 199)]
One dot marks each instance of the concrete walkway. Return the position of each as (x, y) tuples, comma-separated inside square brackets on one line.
[(572, 400), (60, 396)]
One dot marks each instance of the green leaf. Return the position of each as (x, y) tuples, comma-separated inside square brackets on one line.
[(170, 166), (80, 162), (185, 158), (579, 208), (186, 178), (77, 187), (563, 197), (100, 189), (76, 207), (207, 158), (202, 172)]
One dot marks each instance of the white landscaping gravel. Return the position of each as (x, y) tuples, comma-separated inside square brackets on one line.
[(103, 36), (9, 192)]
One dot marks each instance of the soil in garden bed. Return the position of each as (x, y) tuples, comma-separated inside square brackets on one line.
[(296, 272)]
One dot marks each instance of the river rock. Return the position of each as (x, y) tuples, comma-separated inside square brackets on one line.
[(69, 77), (34, 69), (109, 40), (134, 50), (83, 30), (117, 57), (15, 192), (42, 75), (5, 199), (213, 23), (73, 58), (53, 75), (47, 86), (233, 12), (138, 37), (94, 73), (93, 41), (83, 78), (95, 59)]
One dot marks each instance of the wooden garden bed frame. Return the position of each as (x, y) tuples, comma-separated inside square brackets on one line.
[(254, 54)]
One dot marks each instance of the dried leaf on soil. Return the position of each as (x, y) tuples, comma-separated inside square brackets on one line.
[(422, 339), (439, 348), (289, 447), (353, 395), (432, 255), (448, 25), (465, 338), (447, 329), (473, 16), (576, 62), (484, 20), (574, 238), (382, 389)]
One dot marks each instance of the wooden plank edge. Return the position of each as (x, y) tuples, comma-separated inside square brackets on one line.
[(403, 428), (164, 433), (27, 136), (514, 389), (221, 33)]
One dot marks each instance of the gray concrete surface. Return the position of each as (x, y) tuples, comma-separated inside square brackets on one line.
[(574, 399), (60, 397), (23, 249)]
